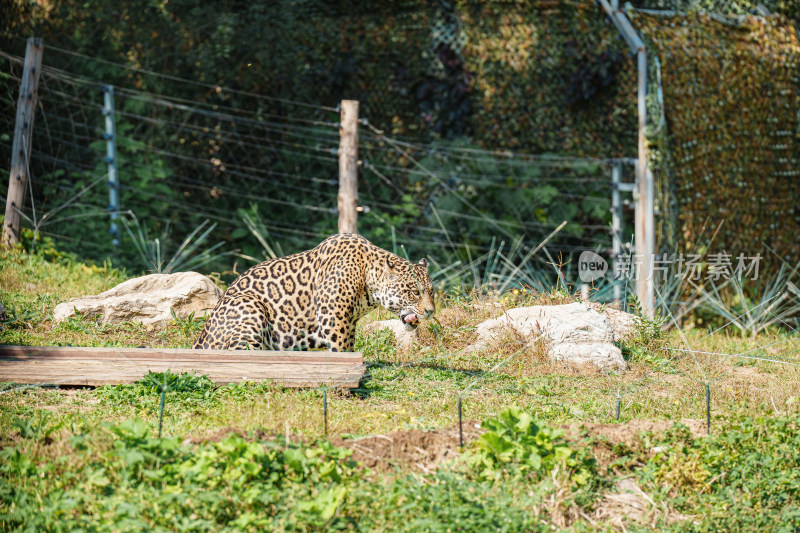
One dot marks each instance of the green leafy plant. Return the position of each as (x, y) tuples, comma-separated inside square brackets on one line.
[(188, 326), (752, 462), (39, 426), (647, 341), (186, 383), (14, 318), (515, 444), (378, 345)]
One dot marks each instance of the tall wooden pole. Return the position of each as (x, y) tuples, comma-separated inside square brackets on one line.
[(348, 167), (21, 145)]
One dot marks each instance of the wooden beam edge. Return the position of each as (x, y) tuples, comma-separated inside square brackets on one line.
[(11, 352)]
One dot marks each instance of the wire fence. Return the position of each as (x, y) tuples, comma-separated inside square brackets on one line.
[(268, 173), (264, 170)]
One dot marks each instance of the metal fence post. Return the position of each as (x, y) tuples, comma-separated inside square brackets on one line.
[(111, 160), (616, 226), (644, 229)]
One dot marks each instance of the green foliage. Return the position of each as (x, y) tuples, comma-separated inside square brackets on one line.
[(789, 8), (188, 256), (32, 283), (183, 391), (187, 383), (39, 426), (13, 318), (189, 326), (141, 481), (449, 501), (740, 76), (742, 477), (647, 341), (408, 68), (508, 196), (538, 77), (376, 346), (754, 306), (514, 444)]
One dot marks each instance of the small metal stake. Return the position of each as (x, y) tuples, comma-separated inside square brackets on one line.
[(618, 402), (325, 408), (161, 409), (708, 409), (460, 425)]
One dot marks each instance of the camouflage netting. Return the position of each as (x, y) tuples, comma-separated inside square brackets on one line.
[(532, 76), (732, 142), (788, 8), (550, 77)]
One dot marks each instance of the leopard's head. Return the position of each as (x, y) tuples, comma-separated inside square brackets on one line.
[(406, 289)]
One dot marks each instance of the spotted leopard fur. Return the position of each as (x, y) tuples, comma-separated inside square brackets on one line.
[(312, 300)]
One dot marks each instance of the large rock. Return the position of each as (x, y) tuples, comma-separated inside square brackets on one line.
[(573, 333), (623, 325), (147, 299)]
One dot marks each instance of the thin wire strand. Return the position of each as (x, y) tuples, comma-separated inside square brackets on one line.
[(170, 77)]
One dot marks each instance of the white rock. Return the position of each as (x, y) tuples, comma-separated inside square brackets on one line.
[(573, 333), (404, 335), (147, 299), (623, 324)]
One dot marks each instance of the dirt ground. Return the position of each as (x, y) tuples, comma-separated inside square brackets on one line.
[(423, 451), (415, 449), (628, 432)]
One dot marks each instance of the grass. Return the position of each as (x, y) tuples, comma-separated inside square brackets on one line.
[(87, 457)]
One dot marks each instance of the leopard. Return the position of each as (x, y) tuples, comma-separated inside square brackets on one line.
[(312, 300)]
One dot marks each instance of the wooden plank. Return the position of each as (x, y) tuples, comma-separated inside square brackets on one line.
[(110, 366), (182, 354)]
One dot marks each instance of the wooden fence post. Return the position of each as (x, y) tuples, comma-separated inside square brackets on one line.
[(21, 145), (348, 167)]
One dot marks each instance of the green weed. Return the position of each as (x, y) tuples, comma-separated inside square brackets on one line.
[(189, 326), (744, 478), (515, 444)]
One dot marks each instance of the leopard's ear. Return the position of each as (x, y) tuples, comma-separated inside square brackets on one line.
[(423, 262)]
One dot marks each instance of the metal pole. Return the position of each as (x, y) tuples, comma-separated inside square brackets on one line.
[(111, 160), (460, 425), (644, 178), (616, 226), (325, 408), (584, 292), (161, 408), (21, 144), (648, 296), (645, 224)]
